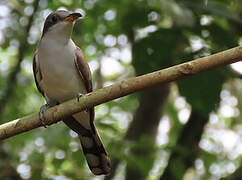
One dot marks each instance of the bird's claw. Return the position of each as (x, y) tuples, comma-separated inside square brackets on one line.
[(79, 95), (41, 114)]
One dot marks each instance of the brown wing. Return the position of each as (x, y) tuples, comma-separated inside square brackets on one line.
[(83, 69), (85, 73), (37, 73)]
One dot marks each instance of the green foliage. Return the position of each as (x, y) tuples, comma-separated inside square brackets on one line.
[(154, 52), (202, 91)]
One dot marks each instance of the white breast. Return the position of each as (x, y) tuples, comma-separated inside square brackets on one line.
[(60, 79)]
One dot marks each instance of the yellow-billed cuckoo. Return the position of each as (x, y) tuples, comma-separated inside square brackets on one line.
[(61, 73)]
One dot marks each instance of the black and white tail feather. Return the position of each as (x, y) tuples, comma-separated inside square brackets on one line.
[(92, 146)]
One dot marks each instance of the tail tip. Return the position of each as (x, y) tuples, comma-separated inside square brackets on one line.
[(99, 171), (105, 169)]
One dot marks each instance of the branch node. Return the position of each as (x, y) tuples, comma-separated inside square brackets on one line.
[(186, 68)]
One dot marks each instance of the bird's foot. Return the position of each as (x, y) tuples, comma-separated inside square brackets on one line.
[(42, 112), (79, 95), (43, 109)]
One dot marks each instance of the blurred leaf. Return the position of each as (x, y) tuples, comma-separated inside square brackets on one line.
[(202, 91), (208, 158), (154, 51)]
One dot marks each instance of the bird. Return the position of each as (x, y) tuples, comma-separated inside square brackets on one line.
[(61, 73)]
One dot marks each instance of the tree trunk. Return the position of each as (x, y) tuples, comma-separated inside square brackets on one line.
[(189, 139), (144, 126)]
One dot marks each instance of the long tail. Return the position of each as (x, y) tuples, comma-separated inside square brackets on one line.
[(92, 146), (95, 154)]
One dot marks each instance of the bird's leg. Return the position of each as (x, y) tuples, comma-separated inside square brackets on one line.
[(79, 95), (43, 109), (42, 112)]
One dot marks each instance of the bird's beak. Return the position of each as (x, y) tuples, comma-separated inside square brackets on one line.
[(72, 17)]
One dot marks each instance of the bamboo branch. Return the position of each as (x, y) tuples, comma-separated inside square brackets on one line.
[(120, 89)]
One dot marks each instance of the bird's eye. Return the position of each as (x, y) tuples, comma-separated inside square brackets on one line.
[(54, 19)]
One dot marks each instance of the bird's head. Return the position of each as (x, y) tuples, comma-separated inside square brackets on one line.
[(60, 24)]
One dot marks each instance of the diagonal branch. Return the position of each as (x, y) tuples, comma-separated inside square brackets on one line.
[(120, 89)]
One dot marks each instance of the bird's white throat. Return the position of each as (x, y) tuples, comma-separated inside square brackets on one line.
[(60, 32)]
